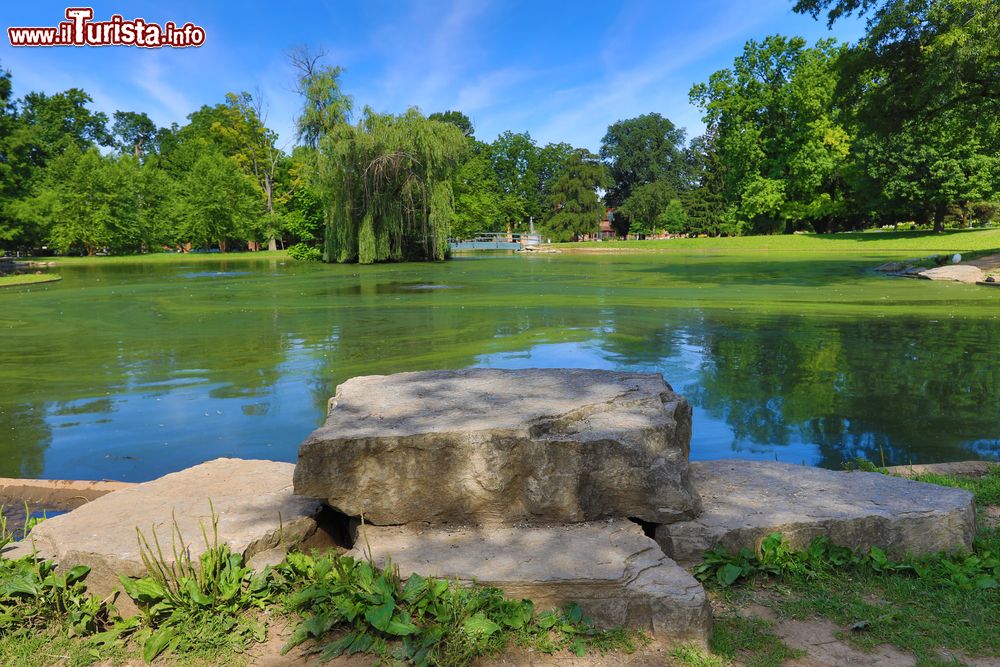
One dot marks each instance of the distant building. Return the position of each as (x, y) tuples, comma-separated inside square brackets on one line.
[(605, 230)]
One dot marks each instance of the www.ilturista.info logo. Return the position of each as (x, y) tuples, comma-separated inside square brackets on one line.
[(81, 30)]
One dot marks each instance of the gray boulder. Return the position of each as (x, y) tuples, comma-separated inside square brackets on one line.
[(252, 500), (617, 575), (745, 501), (502, 446)]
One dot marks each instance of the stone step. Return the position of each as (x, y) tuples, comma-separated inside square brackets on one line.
[(617, 575), (745, 501), (252, 499), (502, 446)]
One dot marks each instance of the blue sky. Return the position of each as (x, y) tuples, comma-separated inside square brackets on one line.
[(561, 70)]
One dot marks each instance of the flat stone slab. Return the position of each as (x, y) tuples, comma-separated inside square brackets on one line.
[(502, 446), (745, 501), (956, 468), (617, 575), (963, 273), (61, 493), (252, 499)]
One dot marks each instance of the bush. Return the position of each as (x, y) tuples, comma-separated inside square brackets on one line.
[(305, 253)]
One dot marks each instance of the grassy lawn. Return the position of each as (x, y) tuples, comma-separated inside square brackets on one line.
[(28, 279), (901, 243)]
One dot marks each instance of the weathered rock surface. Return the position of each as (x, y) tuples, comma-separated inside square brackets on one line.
[(61, 493), (502, 446), (616, 574), (252, 499), (957, 468), (963, 273), (744, 501)]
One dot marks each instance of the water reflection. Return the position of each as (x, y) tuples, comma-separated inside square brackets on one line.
[(124, 372)]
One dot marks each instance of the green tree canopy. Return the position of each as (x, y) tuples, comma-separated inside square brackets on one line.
[(388, 180), (574, 197), (642, 150)]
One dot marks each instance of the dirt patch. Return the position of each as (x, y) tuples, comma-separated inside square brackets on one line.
[(818, 638), (988, 263)]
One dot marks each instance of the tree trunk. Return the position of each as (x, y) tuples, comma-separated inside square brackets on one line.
[(939, 211), (269, 193)]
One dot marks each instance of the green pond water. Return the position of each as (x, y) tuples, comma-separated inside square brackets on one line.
[(130, 371)]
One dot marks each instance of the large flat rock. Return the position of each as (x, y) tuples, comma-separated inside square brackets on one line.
[(500, 446), (744, 501), (252, 499), (611, 569), (963, 273)]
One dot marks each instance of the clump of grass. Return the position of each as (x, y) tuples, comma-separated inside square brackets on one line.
[(40, 600), (750, 640), (986, 489), (202, 605), (349, 606)]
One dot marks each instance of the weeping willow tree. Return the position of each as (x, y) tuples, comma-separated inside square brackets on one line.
[(387, 180)]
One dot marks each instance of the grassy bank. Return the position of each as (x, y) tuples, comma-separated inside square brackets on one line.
[(28, 279), (894, 243), (166, 258), (941, 610)]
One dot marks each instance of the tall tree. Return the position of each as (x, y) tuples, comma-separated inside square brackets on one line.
[(784, 147), (134, 133), (325, 105), (574, 197), (456, 118), (256, 152), (217, 202), (642, 150), (388, 180), (927, 77)]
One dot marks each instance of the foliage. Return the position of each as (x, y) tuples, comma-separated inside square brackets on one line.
[(780, 138), (388, 183), (423, 620), (218, 202), (305, 253), (977, 571), (643, 150), (35, 594), (479, 202), (456, 118), (190, 605), (574, 198)]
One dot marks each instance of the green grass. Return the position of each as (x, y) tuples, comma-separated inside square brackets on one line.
[(165, 258), (28, 279), (986, 489), (896, 243), (751, 641), (954, 607)]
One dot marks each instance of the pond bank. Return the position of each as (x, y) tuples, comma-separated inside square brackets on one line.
[(982, 270), (20, 279)]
